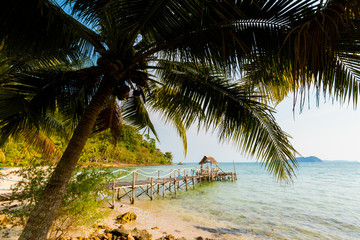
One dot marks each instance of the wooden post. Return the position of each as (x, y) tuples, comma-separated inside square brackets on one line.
[(158, 187), (193, 181), (208, 172), (151, 188), (147, 187), (211, 172), (133, 190), (186, 184), (175, 182), (178, 185), (170, 181), (200, 179), (163, 188), (234, 170), (118, 192), (113, 197)]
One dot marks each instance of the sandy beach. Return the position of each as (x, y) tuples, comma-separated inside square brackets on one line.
[(157, 223), (8, 174)]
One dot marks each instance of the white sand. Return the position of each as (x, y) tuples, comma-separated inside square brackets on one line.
[(7, 184), (156, 224)]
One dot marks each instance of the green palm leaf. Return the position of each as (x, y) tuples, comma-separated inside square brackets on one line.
[(110, 118), (48, 31), (202, 96), (135, 114)]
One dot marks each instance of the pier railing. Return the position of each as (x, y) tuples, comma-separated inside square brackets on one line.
[(135, 183)]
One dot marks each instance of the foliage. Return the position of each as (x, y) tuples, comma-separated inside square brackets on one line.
[(189, 42), (132, 147), (19, 153), (169, 156), (83, 204), (100, 149), (195, 48)]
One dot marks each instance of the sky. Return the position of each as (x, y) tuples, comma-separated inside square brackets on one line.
[(329, 132)]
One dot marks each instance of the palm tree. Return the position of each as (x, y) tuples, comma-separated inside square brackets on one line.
[(193, 47), (14, 122)]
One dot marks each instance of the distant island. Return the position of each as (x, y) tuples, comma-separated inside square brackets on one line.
[(308, 159)]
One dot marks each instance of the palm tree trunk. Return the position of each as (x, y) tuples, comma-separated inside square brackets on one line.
[(44, 213)]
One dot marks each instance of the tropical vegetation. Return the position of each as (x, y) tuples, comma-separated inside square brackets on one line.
[(111, 60), (85, 203), (99, 151)]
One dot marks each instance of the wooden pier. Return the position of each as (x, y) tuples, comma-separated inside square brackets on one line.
[(168, 183)]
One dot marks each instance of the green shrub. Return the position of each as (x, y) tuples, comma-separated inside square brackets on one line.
[(83, 205)]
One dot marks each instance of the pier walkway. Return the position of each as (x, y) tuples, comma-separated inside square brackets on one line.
[(170, 182), (135, 183)]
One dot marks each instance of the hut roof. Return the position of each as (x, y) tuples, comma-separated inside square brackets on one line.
[(208, 159)]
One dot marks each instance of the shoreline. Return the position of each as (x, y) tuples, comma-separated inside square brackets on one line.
[(157, 224), (154, 223), (157, 221)]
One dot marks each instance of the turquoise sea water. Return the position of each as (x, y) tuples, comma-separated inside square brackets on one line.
[(322, 203)]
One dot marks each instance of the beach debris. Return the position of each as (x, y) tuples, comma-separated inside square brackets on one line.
[(126, 217), (120, 232), (115, 234), (170, 237), (141, 234), (201, 238), (167, 237), (153, 228), (123, 234)]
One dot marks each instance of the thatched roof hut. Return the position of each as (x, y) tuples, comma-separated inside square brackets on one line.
[(208, 159)]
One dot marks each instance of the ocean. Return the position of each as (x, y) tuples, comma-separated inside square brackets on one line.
[(323, 202)]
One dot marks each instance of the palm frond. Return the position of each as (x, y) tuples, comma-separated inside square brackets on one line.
[(46, 31), (34, 95), (168, 115), (110, 118), (18, 119), (229, 108), (40, 141), (135, 114)]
